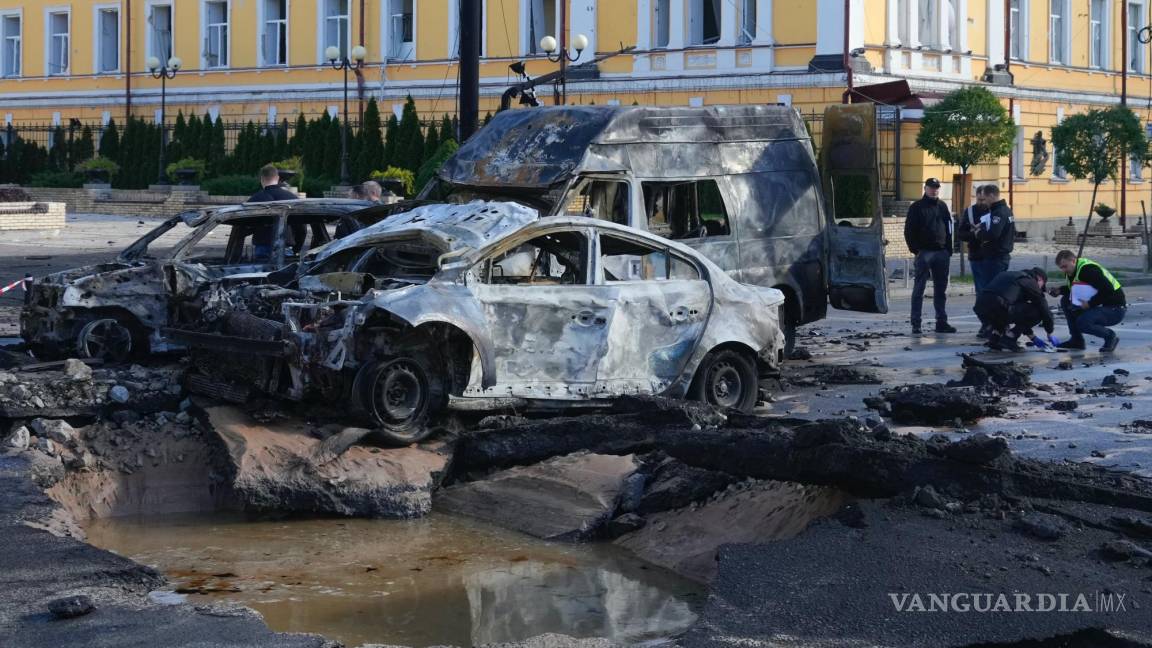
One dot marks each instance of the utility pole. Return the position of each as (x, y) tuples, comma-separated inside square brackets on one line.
[(469, 106)]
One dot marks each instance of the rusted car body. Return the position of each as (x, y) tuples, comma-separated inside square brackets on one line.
[(741, 184), (486, 306), (117, 309)]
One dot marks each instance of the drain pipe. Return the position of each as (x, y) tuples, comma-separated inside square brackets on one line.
[(1011, 99), (360, 77), (1123, 102), (127, 65), (846, 58)]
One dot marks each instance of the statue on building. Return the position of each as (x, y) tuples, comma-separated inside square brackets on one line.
[(1039, 154)]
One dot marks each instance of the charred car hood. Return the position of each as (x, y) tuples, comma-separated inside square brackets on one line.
[(83, 273)]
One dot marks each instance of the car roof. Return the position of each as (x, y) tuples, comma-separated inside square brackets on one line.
[(319, 206)]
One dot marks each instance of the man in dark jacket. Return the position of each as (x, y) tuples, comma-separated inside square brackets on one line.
[(996, 237), (270, 190), (1092, 301), (928, 233), (1013, 298)]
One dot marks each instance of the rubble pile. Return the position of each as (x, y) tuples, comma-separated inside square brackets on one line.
[(75, 389), (993, 375), (934, 404)]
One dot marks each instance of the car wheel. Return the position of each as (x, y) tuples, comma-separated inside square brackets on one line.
[(726, 378), (400, 396), (107, 339)]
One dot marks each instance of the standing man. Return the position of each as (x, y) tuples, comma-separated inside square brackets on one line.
[(1092, 301), (928, 233), (971, 220), (1013, 298), (270, 190), (996, 236)]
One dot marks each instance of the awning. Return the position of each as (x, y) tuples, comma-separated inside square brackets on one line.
[(892, 93)]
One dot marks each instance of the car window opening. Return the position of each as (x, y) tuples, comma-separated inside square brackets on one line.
[(685, 210)]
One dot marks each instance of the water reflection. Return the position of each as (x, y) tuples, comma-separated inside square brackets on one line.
[(440, 580)]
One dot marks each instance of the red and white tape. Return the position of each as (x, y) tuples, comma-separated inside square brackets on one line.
[(16, 284)]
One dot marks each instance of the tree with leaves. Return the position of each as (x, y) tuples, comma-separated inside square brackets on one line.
[(110, 142), (83, 148), (431, 141), (1095, 146), (299, 136), (968, 127), (332, 148), (370, 143), (409, 139), (391, 140), (446, 130), (428, 170)]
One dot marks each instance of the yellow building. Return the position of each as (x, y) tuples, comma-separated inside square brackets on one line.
[(264, 60)]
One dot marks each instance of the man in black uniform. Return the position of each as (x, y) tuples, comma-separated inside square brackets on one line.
[(271, 190), (1015, 298), (928, 233), (997, 238)]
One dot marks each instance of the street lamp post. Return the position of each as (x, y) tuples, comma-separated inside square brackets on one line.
[(343, 63), (163, 72), (549, 45)]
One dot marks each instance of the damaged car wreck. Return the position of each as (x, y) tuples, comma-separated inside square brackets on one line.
[(116, 310), (486, 306)]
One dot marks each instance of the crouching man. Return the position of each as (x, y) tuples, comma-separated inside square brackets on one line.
[(1092, 301), (1014, 298)]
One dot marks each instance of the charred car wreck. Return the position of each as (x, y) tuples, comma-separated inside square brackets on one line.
[(487, 306), (740, 184), (117, 309)]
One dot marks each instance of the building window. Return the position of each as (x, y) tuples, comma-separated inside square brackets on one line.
[(58, 46), (401, 31), (160, 32), (337, 24), (1058, 31), (704, 18), (543, 20), (928, 28), (216, 34), (10, 55), (1097, 33), (1019, 28), (747, 22), (662, 25), (1136, 52), (107, 40), (951, 25), (275, 37), (454, 46)]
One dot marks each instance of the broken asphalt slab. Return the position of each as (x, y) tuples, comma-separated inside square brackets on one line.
[(280, 466), (568, 498), (840, 586)]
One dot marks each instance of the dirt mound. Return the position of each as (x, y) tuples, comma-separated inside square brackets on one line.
[(993, 375), (935, 404)]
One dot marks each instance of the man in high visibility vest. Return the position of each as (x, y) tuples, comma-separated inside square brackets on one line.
[(1092, 301)]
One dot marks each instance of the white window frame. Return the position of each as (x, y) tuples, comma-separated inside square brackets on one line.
[(50, 39), (656, 17), (743, 37), (18, 50), (690, 36), (1019, 173), (211, 32), (322, 17), (454, 31), (406, 50), (98, 37), (1136, 49), (1020, 35), (264, 32), (1100, 26), (530, 42), (1059, 10), (150, 29)]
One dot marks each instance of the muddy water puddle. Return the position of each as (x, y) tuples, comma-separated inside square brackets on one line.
[(438, 580)]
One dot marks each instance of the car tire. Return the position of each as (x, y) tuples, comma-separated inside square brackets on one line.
[(400, 396), (726, 378), (108, 339)]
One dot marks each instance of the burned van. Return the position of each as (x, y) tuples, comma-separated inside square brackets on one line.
[(741, 184)]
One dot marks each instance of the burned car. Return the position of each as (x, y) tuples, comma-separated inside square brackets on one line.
[(740, 184), (117, 309), (486, 306)]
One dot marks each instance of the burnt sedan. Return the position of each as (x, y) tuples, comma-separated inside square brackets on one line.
[(486, 306), (117, 309)]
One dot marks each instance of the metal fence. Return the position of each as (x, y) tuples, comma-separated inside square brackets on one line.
[(887, 144)]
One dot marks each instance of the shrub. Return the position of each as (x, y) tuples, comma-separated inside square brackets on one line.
[(14, 194), (233, 185), (315, 186), (59, 179), (428, 170), (187, 163), (393, 173), (99, 164), (293, 163)]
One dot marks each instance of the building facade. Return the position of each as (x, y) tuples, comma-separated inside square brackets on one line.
[(264, 60)]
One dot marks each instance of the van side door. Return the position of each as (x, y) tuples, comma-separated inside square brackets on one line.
[(856, 274)]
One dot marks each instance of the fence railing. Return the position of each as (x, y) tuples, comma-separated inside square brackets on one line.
[(887, 144)]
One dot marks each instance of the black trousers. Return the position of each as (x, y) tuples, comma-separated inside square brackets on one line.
[(998, 315)]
